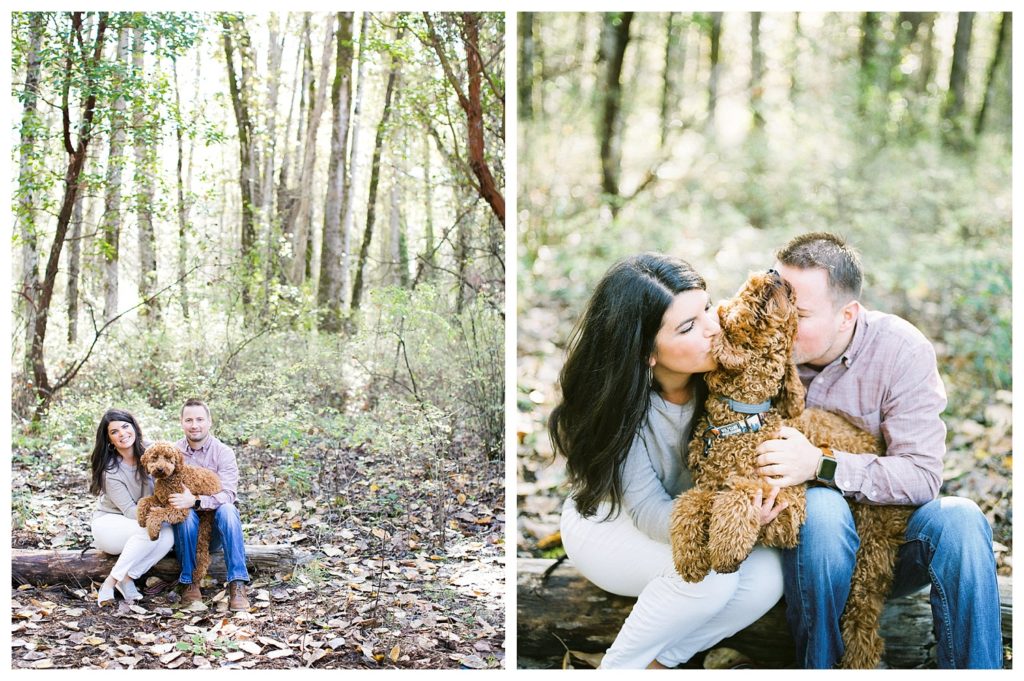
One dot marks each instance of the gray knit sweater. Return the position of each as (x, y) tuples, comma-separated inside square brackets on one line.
[(655, 471), (122, 491)]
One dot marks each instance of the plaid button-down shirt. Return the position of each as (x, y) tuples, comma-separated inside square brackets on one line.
[(216, 456), (887, 382)]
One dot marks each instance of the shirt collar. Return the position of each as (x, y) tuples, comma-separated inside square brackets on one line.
[(202, 450)]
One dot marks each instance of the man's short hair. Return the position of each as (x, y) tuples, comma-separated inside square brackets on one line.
[(831, 253), (193, 402)]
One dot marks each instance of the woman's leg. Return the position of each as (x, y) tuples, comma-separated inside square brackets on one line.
[(619, 558), (111, 534), (760, 588), (141, 553)]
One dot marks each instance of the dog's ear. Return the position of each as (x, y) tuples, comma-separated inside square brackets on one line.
[(790, 401), (179, 458), (726, 354)]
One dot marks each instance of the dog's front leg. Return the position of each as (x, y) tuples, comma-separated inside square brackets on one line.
[(688, 533), (734, 527), (784, 531)]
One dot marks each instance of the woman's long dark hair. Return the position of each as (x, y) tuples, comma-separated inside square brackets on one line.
[(606, 383), (104, 455)]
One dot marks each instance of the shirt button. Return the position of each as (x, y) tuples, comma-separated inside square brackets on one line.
[(846, 484)]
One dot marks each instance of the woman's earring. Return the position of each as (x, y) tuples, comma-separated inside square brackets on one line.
[(650, 377)]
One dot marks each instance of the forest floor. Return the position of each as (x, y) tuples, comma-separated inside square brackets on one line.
[(403, 567), (978, 463)]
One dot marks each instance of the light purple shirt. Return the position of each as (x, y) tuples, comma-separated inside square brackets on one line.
[(887, 383), (216, 456)]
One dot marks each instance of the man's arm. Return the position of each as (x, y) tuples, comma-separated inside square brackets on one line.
[(909, 423), (227, 471)]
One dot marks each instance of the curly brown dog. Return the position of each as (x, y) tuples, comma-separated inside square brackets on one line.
[(715, 525), (171, 474)]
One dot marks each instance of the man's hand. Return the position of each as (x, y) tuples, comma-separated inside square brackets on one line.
[(788, 460), (184, 499)]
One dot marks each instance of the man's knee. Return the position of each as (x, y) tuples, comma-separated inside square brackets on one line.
[(952, 517), (829, 535)]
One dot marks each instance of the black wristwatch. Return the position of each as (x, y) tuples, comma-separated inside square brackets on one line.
[(196, 505), (826, 472)]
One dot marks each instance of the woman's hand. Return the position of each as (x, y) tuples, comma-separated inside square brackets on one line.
[(769, 511)]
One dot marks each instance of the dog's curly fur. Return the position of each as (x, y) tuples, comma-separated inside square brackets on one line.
[(166, 464), (714, 525)]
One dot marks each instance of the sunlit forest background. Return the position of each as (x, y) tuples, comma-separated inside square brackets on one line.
[(299, 218), (717, 137)]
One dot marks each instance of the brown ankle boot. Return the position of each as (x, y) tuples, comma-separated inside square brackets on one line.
[(191, 594), (237, 600)]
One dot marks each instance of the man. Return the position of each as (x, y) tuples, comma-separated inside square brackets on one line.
[(880, 372), (204, 450)]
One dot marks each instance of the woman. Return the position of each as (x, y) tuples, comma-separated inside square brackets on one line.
[(119, 479), (632, 385)]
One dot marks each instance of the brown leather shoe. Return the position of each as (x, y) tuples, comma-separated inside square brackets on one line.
[(191, 594), (237, 600)]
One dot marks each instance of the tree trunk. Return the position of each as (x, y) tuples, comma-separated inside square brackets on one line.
[(713, 75), (76, 161), (300, 237), (525, 73), (954, 134), (182, 206), (471, 105), (614, 39), (371, 211), (144, 146), (110, 229), (868, 61), (927, 54), (274, 57), (675, 43), (348, 219), (28, 167), (427, 263), (329, 292), (240, 86), (74, 268), (1002, 39), (756, 71), (567, 611), (43, 567), (400, 246), (794, 60)]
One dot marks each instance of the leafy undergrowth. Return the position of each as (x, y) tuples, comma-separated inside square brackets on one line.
[(402, 567)]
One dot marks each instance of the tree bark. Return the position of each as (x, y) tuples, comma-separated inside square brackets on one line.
[(348, 219), (182, 206), (958, 80), (1002, 39), (614, 39), (568, 607), (144, 144), (274, 57), (927, 54), (329, 292), (675, 43), (297, 264), (371, 211), (76, 161), (525, 72), (868, 61), (110, 228), (43, 567), (756, 71), (471, 105), (240, 86), (27, 195), (74, 267), (713, 75)]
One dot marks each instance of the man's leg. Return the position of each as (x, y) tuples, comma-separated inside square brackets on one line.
[(949, 545), (228, 533), (186, 534), (817, 577)]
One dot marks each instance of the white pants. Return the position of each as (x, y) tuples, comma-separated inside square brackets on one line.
[(116, 534), (672, 619)]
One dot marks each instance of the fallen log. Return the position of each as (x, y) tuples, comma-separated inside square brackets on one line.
[(567, 611), (34, 566)]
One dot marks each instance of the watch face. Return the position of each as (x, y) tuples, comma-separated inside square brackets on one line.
[(827, 468)]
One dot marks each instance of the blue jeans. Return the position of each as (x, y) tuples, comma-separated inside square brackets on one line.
[(227, 532), (949, 546)]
